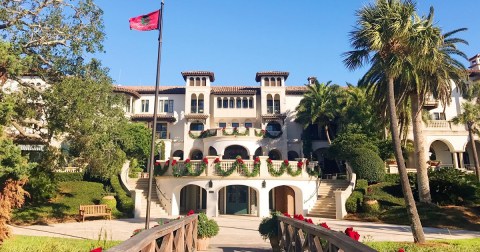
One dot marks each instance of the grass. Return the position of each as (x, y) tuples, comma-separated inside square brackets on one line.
[(22, 243), (62, 208), (466, 245), (389, 195)]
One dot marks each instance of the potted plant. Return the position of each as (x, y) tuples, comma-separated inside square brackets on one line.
[(268, 229), (433, 163), (206, 229)]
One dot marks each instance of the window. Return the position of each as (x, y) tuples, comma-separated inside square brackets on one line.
[(193, 106), (248, 125), (196, 127), (269, 104), (127, 106), (245, 102), (192, 81), (200, 103), (145, 106), (204, 81), (279, 82), (438, 116), (239, 102), (273, 126), (276, 104), (235, 125), (168, 106), (225, 102), (162, 130), (267, 82), (222, 125), (232, 102), (160, 105), (250, 102), (219, 102)]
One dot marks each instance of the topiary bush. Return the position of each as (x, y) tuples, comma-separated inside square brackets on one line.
[(361, 186), (206, 228), (367, 165), (125, 203), (450, 186), (68, 176), (354, 202), (111, 202)]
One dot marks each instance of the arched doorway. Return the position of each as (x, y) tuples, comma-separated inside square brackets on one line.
[(196, 155), (440, 151), (232, 151), (193, 197), (292, 155), (238, 200), (275, 155), (258, 152), (212, 151), (282, 199), (179, 154), (469, 155)]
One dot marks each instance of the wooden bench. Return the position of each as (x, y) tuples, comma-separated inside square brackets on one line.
[(94, 210)]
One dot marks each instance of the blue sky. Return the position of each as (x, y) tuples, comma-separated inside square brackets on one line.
[(235, 39)]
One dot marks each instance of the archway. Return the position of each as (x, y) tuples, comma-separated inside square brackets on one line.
[(232, 151), (238, 200), (179, 154), (292, 155), (275, 155), (258, 152), (212, 151), (468, 155), (327, 166), (196, 155), (440, 151), (282, 199), (193, 197)]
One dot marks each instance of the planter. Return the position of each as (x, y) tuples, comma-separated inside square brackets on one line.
[(202, 244), (275, 243), (391, 161), (433, 163), (371, 206), (108, 197)]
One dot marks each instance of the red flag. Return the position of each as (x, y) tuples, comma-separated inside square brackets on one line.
[(145, 22)]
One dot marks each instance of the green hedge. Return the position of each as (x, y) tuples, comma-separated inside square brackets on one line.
[(125, 203), (354, 202), (361, 186), (68, 176), (392, 178), (367, 165)]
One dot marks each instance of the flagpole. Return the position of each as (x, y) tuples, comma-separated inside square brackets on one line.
[(154, 127)]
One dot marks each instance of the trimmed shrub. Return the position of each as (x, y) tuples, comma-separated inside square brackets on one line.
[(370, 205), (361, 186), (367, 165), (206, 228), (68, 176), (450, 186), (124, 202), (354, 202), (112, 204), (392, 178)]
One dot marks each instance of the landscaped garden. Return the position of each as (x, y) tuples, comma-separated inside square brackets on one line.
[(21, 243)]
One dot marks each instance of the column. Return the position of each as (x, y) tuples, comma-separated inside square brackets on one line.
[(455, 160), (263, 210), (212, 201), (460, 158)]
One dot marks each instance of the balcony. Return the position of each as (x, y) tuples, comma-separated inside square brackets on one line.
[(235, 132), (442, 125), (215, 170), (430, 103)]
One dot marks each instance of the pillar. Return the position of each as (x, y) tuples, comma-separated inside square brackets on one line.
[(212, 201), (263, 209), (455, 160), (460, 157)]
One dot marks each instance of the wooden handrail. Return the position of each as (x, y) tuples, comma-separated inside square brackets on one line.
[(292, 238), (178, 235)]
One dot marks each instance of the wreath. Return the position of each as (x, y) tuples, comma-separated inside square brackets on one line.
[(256, 168), (158, 170), (297, 172), (272, 171)]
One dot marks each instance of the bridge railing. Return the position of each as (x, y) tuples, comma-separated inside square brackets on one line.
[(301, 236), (178, 235)]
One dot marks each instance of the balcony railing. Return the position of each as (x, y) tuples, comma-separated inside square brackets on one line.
[(234, 132), (444, 125)]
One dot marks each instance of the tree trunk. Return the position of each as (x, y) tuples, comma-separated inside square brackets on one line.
[(419, 155), (416, 225), (327, 134), (475, 156)]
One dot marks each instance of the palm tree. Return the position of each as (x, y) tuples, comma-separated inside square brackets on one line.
[(320, 105), (470, 117), (382, 38), (435, 70)]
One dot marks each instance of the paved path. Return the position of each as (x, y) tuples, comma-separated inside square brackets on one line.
[(237, 233)]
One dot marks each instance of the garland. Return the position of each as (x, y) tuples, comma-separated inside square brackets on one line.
[(158, 170), (313, 172), (235, 132), (256, 168), (294, 173), (260, 133), (272, 171), (203, 134), (176, 171), (223, 173)]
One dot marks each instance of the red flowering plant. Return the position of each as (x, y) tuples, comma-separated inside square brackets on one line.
[(137, 231), (187, 160), (216, 161), (191, 212), (269, 160), (352, 234), (285, 162), (256, 161), (158, 170), (324, 225), (287, 215), (401, 250), (299, 164), (298, 217), (205, 160)]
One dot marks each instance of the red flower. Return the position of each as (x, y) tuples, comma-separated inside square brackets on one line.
[(309, 221), (187, 160), (269, 160), (174, 162), (257, 160), (299, 217), (401, 250), (263, 131), (99, 249), (190, 212), (287, 215), (217, 160), (353, 234), (168, 162), (285, 162), (300, 164), (324, 225), (205, 160)]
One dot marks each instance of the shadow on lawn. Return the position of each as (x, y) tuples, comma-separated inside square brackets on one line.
[(39, 215)]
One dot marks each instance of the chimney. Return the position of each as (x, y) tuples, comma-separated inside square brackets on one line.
[(311, 80)]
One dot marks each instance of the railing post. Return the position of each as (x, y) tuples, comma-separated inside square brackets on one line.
[(263, 166), (210, 171)]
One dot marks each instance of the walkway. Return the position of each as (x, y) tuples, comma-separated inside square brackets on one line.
[(237, 233)]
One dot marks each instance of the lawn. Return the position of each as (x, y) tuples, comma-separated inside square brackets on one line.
[(62, 208), (22, 243), (393, 211), (467, 245)]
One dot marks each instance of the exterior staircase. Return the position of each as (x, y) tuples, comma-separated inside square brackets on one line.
[(156, 210), (325, 205)]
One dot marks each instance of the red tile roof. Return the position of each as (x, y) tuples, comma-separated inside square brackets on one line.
[(151, 89), (216, 90), (120, 89), (149, 117), (271, 73), (234, 90), (296, 90), (211, 75)]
